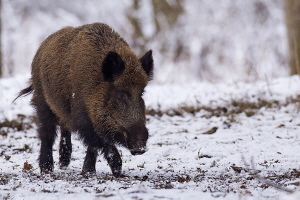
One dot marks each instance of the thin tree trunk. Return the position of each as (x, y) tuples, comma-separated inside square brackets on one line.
[(1, 66), (292, 14)]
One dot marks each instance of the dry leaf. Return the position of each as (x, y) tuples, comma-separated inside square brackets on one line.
[(211, 131), (27, 166)]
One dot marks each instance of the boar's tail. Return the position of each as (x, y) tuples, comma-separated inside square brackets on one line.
[(25, 91)]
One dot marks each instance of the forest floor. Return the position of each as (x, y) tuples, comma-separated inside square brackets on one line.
[(231, 140)]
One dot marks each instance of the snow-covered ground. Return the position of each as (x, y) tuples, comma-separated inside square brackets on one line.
[(231, 140)]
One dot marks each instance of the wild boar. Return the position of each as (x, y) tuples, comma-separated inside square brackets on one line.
[(88, 81)]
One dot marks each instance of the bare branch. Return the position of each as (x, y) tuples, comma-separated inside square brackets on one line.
[(255, 173)]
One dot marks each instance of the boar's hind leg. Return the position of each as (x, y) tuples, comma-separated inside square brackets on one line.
[(65, 148), (46, 133), (113, 158), (89, 165)]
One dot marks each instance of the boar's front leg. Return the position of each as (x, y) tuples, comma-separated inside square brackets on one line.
[(89, 165), (113, 158), (111, 154)]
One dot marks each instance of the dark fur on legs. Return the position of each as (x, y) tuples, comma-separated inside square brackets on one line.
[(47, 134), (114, 160), (110, 153), (89, 165), (65, 148)]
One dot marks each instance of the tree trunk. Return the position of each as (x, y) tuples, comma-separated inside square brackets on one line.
[(292, 14), (1, 66)]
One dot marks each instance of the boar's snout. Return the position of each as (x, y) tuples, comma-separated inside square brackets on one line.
[(138, 136), (138, 151)]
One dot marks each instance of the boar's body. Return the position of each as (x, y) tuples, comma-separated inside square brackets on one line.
[(88, 80)]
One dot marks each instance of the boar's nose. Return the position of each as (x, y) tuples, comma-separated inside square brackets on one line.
[(137, 139), (137, 151)]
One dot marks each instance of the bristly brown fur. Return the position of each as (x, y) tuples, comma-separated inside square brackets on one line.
[(87, 80)]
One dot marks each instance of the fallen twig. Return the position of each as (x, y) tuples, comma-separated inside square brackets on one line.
[(256, 175)]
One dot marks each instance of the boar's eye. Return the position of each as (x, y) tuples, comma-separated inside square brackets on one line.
[(122, 97)]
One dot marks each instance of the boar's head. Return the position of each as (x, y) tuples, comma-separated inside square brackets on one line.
[(126, 77)]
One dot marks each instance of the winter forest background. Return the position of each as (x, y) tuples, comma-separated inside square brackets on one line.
[(222, 111), (191, 40)]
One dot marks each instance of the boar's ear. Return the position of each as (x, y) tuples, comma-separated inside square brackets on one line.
[(112, 66), (147, 63)]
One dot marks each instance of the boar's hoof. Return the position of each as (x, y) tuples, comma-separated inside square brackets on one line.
[(46, 171), (116, 167), (46, 168), (63, 167), (116, 172), (88, 169), (63, 164), (137, 151), (88, 174)]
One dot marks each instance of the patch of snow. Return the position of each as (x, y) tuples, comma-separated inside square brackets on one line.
[(181, 161)]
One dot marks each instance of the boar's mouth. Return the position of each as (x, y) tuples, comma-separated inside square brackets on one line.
[(136, 147), (138, 151)]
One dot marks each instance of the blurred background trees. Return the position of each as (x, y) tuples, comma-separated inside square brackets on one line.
[(191, 40), (1, 39)]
